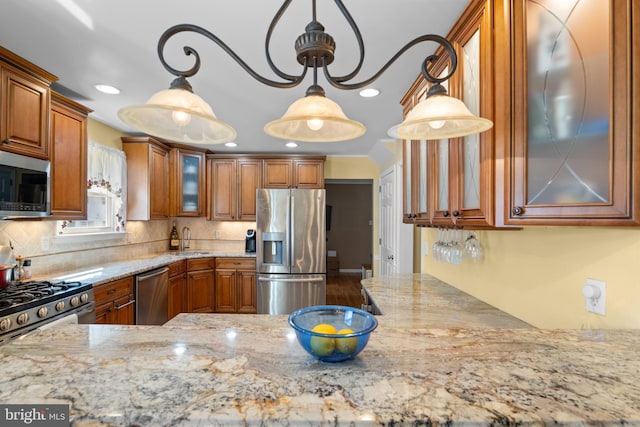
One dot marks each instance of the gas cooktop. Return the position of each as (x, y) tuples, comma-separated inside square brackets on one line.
[(25, 295)]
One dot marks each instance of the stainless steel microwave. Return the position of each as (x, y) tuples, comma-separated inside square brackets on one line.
[(24, 186)]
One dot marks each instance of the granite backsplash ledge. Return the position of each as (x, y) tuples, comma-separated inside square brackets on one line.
[(50, 255)]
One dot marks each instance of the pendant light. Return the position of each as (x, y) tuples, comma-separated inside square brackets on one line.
[(177, 114), (439, 116)]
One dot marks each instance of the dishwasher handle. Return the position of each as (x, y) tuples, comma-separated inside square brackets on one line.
[(153, 273), (271, 279)]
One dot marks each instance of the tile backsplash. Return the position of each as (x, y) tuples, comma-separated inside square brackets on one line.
[(37, 240)]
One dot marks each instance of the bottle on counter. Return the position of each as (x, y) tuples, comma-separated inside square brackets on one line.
[(174, 238), (26, 269)]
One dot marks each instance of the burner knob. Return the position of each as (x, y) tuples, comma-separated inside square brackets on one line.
[(84, 298), (23, 318), (74, 301), (60, 306), (42, 312), (5, 324)]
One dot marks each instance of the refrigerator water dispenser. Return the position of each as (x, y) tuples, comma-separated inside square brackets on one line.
[(272, 248)]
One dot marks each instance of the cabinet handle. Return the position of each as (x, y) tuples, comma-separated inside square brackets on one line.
[(517, 210), (6, 141), (118, 307), (111, 291), (456, 213), (445, 214)]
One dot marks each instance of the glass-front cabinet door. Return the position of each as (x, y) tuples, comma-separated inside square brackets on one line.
[(415, 182), (415, 166), (464, 167), (573, 100), (188, 183)]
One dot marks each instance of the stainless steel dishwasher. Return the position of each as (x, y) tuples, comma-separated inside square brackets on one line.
[(152, 293)]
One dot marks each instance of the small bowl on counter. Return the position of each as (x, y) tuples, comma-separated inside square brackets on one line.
[(332, 333)]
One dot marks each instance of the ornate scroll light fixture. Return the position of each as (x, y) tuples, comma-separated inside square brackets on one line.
[(178, 114)]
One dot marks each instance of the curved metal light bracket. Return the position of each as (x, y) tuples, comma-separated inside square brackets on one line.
[(180, 28), (314, 48)]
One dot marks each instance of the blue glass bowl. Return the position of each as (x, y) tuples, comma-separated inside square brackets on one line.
[(330, 347)]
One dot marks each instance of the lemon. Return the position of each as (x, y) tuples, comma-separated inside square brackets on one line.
[(346, 345), (323, 346)]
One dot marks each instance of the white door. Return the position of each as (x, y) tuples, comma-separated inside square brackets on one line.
[(387, 218), (396, 238)]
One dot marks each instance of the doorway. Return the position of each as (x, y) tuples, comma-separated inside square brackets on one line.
[(349, 223)]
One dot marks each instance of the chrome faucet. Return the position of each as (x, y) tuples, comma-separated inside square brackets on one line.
[(186, 231)]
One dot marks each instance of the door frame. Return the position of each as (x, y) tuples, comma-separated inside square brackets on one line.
[(371, 184)]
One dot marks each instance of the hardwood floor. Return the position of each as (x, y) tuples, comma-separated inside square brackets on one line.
[(344, 289)]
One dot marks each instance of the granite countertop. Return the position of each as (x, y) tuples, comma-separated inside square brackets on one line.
[(106, 272), (218, 369)]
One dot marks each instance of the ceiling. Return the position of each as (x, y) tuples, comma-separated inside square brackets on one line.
[(86, 42)]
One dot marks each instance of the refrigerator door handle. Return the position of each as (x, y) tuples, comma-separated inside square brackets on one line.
[(267, 279), (291, 235)]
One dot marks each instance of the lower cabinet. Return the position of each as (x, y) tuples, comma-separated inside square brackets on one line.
[(235, 285), (115, 302), (177, 289), (200, 285)]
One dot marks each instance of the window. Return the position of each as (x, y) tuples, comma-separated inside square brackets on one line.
[(106, 195)]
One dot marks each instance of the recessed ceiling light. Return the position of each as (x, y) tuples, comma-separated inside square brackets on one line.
[(291, 144), (369, 92), (108, 89), (230, 144)]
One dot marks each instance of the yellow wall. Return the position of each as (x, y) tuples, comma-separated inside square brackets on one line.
[(103, 134), (537, 274), (357, 168)]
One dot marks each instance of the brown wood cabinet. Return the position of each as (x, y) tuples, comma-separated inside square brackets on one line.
[(201, 285), (187, 183), (233, 184), (115, 302), (573, 101), (235, 285), (451, 181), (177, 289), (25, 99), (147, 178), (68, 158), (293, 173)]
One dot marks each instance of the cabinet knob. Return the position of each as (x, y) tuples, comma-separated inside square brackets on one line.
[(6, 141), (517, 210), (445, 214), (455, 213)]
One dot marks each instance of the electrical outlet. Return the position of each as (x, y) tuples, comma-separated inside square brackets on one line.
[(594, 292), (45, 244)]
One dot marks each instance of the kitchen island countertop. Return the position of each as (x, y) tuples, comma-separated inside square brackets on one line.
[(218, 369)]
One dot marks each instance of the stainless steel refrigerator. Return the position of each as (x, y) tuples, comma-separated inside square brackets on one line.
[(290, 249)]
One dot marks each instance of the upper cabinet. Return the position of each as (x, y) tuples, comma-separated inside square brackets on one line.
[(25, 98), (187, 185), (450, 181), (147, 178), (415, 156), (68, 140), (233, 183), (557, 80), (305, 172), (574, 101)]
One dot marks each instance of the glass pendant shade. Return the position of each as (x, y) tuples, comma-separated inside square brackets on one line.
[(440, 116), (315, 118), (178, 115)]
